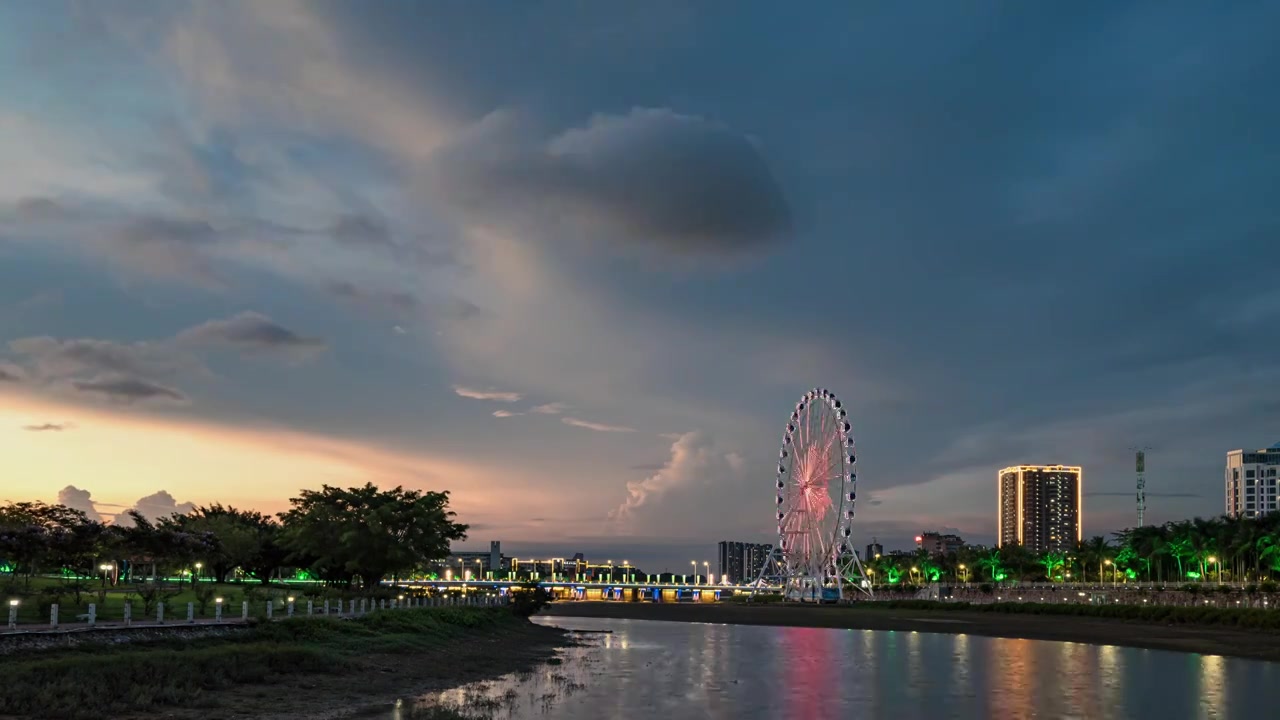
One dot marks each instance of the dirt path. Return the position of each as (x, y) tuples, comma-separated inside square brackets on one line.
[(1207, 640)]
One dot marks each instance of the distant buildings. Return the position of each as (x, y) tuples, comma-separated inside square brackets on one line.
[(732, 555), (939, 544), (1251, 481), (874, 550), (1039, 507), (742, 561), (756, 556)]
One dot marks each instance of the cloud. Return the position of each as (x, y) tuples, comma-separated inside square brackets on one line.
[(651, 178), (554, 408), (493, 395), (694, 461), (598, 427), (248, 330), (48, 427), (77, 499), (54, 358), (158, 505), (395, 300), (362, 231), (174, 248), (39, 209), (505, 413), (9, 373), (129, 390)]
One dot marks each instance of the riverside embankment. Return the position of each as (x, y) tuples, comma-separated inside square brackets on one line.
[(1208, 639), (314, 668)]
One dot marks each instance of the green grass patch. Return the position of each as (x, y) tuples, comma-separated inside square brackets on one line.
[(99, 681), (1252, 618)]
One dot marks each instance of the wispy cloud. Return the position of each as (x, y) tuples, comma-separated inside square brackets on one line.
[(598, 427), (493, 395), (505, 413), (554, 408), (48, 427)]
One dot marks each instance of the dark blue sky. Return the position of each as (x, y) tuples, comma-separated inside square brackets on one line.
[(1002, 233)]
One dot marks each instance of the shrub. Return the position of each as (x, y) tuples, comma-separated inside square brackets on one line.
[(528, 599)]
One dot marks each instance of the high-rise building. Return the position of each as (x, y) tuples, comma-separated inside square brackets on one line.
[(754, 559), (731, 557), (1251, 482), (1039, 507), (742, 561)]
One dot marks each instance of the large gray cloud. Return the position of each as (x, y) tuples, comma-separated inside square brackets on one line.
[(651, 177), (128, 390), (56, 358), (248, 330), (138, 372)]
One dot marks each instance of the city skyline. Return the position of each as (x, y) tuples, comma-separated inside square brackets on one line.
[(576, 269)]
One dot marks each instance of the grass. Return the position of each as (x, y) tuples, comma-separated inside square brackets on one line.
[(99, 681), (1251, 618)]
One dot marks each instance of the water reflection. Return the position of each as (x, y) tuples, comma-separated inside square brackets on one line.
[(671, 671)]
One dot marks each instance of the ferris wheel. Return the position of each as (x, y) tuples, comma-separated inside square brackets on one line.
[(816, 493)]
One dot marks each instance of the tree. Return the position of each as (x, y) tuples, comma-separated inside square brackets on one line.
[(368, 533), (35, 535), (246, 539)]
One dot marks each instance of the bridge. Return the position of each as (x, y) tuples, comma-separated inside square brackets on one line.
[(593, 589)]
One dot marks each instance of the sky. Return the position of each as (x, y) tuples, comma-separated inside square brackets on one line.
[(575, 263)]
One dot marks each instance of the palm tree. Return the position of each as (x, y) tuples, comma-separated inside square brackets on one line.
[(1094, 551)]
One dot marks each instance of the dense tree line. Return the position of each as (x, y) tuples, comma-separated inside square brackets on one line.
[(339, 535), (1230, 549)]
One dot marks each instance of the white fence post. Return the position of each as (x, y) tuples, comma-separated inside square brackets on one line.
[(217, 610), (289, 610), (13, 614), (310, 608), (160, 613), (128, 613), (271, 606), (53, 616), (326, 606), (191, 612), (93, 614), (244, 610)]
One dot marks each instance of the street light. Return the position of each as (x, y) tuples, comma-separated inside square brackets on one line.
[(1213, 559), (694, 563), (1108, 563), (196, 577), (964, 572), (706, 566), (105, 568)]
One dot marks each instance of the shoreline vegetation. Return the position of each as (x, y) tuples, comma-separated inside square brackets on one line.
[(302, 667), (1247, 634)]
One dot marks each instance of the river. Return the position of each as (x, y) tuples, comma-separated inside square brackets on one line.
[(644, 670)]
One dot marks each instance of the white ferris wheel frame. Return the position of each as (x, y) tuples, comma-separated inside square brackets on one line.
[(811, 556)]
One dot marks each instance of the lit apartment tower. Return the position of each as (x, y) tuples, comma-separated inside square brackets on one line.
[(731, 556), (1251, 482), (754, 559), (1040, 507)]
